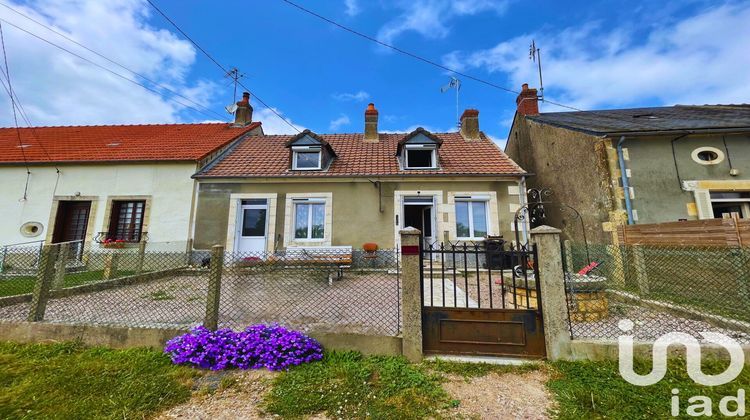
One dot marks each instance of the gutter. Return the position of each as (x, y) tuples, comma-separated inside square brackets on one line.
[(625, 184)]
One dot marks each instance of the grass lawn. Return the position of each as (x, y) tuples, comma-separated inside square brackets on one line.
[(69, 381), (349, 385), (11, 286), (596, 390)]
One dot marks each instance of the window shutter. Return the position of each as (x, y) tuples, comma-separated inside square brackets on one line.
[(703, 204)]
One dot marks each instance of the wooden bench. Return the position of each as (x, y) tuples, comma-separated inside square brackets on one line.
[(338, 257)]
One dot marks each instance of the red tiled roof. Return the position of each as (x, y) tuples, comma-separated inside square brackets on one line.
[(267, 156), (173, 142)]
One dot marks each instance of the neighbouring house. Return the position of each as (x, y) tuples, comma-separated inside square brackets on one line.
[(270, 192), (93, 183), (634, 166)]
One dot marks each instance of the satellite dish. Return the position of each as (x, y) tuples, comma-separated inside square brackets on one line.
[(231, 108)]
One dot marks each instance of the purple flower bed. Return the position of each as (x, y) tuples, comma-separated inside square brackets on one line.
[(270, 346)]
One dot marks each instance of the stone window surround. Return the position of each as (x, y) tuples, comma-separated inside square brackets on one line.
[(90, 226), (289, 239), (234, 200), (146, 209), (492, 213), (719, 155)]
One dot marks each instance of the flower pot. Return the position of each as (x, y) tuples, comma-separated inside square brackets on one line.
[(370, 247)]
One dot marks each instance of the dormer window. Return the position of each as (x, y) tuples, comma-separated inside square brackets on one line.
[(420, 156), (309, 152), (306, 158), (419, 150)]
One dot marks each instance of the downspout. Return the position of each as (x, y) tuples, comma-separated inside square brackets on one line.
[(625, 184), (522, 202)]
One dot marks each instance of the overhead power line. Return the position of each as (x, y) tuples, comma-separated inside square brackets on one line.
[(224, 69), (6, 73), (438, 65), (166, 88)]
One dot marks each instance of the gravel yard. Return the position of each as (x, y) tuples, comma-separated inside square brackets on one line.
[(359, 303)]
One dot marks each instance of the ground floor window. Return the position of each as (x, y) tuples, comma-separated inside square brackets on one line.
[(126, 220), (471, 219), (727, 203), (309, 219)]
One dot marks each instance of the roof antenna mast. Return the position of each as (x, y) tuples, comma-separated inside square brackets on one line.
[(535, 55), (453, 84), (235, 75)]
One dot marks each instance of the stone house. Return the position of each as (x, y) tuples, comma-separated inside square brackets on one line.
[(269, 192), (632, 166)]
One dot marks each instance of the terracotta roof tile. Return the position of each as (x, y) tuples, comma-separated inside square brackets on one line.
[(267, 156), (174, 142)]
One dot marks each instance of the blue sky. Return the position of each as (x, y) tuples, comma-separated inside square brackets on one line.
[(595, 54)]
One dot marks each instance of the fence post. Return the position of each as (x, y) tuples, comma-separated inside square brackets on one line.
[(189, 252), (641, 273), (45, 274), (552, 285), (411, 345), (211, 321), (62, 262), (141, 257), (110, 265), (569, 256)]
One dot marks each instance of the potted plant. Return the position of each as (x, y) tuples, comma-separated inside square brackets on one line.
[(113, 243)]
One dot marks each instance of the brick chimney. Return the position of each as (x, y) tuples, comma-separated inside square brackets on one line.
[(244, 113), (371, 124), (470, 124), (527, 101)]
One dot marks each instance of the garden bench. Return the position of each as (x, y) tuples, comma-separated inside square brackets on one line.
[(338, 257)]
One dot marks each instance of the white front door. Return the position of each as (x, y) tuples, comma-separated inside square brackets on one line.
[(252, 226)]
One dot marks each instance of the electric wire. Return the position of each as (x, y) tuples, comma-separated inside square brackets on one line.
[(223, 68), (15, 116), (105, 68), (196, 104)]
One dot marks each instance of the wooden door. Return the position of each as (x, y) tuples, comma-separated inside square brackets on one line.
[(71, 221)]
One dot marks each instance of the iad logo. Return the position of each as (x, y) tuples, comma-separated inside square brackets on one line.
[(700, 405)]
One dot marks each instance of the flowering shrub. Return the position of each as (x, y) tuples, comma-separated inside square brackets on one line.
[(270, 346)]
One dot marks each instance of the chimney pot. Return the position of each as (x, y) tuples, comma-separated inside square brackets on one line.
[(371, 124), (244, 113), (527, 102), (470, 125)]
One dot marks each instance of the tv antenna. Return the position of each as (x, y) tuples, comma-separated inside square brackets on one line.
[(453, 84), (535, 55), (235, 75)]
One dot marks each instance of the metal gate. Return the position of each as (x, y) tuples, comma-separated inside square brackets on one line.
[(481, 300)]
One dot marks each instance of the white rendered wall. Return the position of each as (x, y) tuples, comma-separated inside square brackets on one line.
[(168, 184)]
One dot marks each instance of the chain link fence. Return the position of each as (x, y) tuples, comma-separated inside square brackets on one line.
[(163, 285), (661, 289)]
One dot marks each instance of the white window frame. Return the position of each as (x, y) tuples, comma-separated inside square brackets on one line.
[(743, 202), (473, 199), (307, 149), (420, 147), (308, 202)]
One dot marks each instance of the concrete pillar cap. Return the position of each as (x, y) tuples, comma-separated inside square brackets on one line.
[(410, 231), (544, 229)]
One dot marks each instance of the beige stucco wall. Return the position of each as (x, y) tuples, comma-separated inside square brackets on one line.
[(355, 203), (167, 187)]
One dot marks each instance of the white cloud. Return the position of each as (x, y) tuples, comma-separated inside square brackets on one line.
[(58, 89), (272, 124), (352, 7), (356, 96), (430, 18), (698, 59), (339, 122)]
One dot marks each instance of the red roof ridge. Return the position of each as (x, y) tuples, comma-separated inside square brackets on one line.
[(127, 125)]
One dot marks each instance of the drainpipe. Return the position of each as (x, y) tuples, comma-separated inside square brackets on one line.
[(625, 185), (522, 202)]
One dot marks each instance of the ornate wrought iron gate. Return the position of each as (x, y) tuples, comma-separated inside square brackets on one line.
[(481, 300)]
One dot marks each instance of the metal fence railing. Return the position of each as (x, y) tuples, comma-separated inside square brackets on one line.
[(661, 289), (161, 285)]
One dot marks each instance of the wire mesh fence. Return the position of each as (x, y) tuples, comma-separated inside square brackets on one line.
[(156, 285), (661, 289)]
